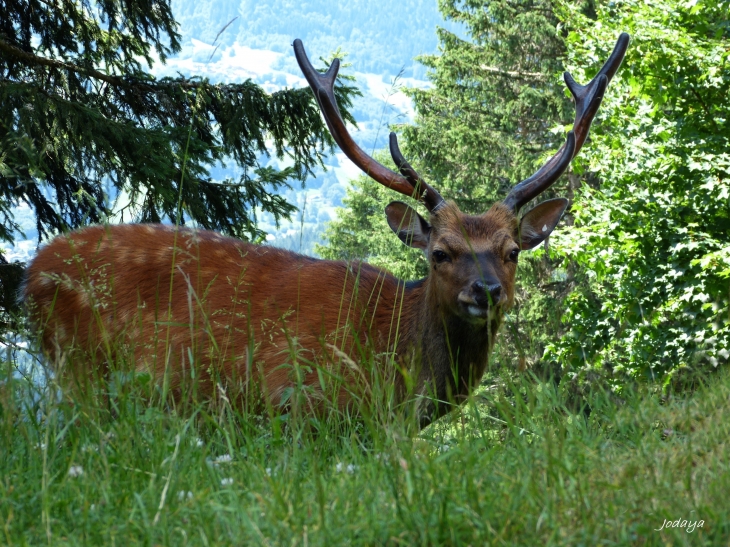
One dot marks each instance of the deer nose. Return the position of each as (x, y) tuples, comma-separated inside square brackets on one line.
[(492, 290)]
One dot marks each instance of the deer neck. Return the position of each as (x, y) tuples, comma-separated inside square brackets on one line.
[(446, 354)]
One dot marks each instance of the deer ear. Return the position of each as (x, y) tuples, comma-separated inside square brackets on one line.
[(408, 225), (540, 221)]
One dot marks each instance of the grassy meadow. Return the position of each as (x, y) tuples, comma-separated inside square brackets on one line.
[(516, 465)]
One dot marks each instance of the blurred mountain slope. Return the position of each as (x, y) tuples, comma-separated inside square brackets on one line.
[(382, 36)]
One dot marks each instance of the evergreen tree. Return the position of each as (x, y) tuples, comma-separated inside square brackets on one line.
[(78, 112), (486, 122), (82, 121), (484, 126)]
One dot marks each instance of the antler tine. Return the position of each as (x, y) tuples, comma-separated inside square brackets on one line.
[(431, 198), (323, 87), (587, 101)]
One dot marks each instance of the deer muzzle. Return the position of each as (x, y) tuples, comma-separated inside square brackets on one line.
[(481, 298)]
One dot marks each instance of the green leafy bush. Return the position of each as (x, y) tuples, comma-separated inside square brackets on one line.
[(652, 238)]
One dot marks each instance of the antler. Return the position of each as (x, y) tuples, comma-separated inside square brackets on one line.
[(409, 183), (587, 100)]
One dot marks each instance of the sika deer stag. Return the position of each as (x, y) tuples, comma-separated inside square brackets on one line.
[(185, 302)]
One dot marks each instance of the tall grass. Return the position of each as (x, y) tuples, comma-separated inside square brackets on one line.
[(512, 466)]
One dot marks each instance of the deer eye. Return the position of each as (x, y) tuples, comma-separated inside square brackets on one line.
[(513, 255), (440, 256)]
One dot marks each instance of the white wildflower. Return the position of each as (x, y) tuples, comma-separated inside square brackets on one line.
[(75, 471), (226, 482), (340, 467), (182, 495), (268, 471), (225, 458)]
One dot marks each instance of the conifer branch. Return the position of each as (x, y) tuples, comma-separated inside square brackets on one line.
[(513, 73), (32, 58)]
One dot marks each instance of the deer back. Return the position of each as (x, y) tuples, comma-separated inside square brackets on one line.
[(176, 297)]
